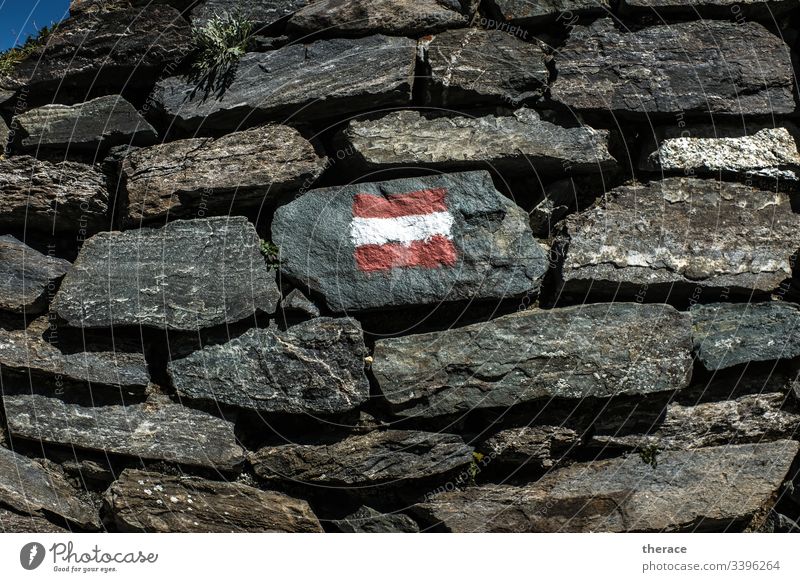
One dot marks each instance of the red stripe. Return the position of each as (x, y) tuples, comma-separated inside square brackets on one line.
[(394, 205), (437, 251)]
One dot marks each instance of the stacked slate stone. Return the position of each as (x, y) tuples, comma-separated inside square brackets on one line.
[(429, 265)]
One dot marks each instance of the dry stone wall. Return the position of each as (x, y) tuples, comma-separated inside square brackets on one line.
[(467, 266)]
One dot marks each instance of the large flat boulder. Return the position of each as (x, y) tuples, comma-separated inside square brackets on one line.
[(532, 13), (327, 78), (184, 177), (156, 430), (141, 501), (709, 489), (187, 275), (688, 68), (678, 235), (522, 143), (27, 276), (413, 241), (597, 350), (377, 458), (314, 367)]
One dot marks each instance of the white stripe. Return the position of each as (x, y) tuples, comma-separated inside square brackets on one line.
[(402, 229)]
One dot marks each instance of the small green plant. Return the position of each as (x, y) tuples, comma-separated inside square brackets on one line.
[(219, 44), (474, 468), (13, 56), (271, 253), (649, 455)]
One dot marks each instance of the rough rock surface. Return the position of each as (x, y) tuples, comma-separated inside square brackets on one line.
[(527, 12), (454, 237), (521, 143), (266, 15), (368, 520), (474, 65), (63, 197), (597, 350), (26, 486), (96, 125), (296, 301), (363, 17), (710, 8), (376, 458), (727, 334), (187, 275), (140, 501), (26, 276), (4, 135), (709, 67), (678, 234), (154, 430), (11, 522), (314, 367), (710, 489), (323, 79), (771, 152), (559, 199), (182, 177), (538, 447)]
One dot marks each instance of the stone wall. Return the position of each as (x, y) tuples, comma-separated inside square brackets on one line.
[(427, 265)]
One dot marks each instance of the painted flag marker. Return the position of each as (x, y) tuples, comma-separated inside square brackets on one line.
[(403, 230)]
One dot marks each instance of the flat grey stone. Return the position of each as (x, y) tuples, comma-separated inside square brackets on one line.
[(264, 14), (187, 275), (368, 520), (203, 175), (731, 9), (598, 350), (534, 12), (727, 334), (296, 301), (463, 241), (314, 367), (540, 447), (27, 276), (141, 501), (327, 78)]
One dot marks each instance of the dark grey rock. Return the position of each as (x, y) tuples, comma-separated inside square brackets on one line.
[(314, 367), (376, 458), (296, 301), (367, 520), (597, 350), (95, 126), (687, 68), (27, 276), (521, 143), (28, 487), (540, 447), (187, 275), (680, 234), (490, 253), (731, 9), (534, 12), (474, 65), (157, 430), (324, 79), (709, 489), (266, 15), (561, 198), (203, 175), (11, 522), (65, 198), (727, 334), (140, 501)]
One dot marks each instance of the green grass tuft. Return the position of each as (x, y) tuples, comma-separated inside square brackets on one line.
[(219, 45)]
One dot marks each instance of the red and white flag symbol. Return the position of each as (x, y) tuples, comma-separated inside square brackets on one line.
[(403, 230)]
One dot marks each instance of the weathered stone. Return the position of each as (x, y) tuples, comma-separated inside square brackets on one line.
[(528, 13), (707, 67), (11, 522), (324, 79), (522, 143), (362, 17), (757, 151), (560, 199), (266, 15), (751, 418), (187, 275), (679, 234), (150, 502), (732, 9), (314, 367), (4, 135), (538, 447), (118, 49), (465, 242), (95, 126), (158, 430), (179, 178), (710, 489), (296, 301), (474, 65), (34, 352), (727, 334), (597, 350), (66, 197), (26, 486), (26, 276), (367, 520), (390, 457)]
